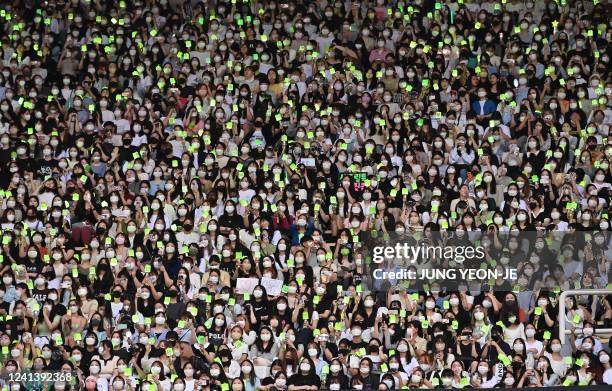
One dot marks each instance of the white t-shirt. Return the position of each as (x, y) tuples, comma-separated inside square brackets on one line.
[(107, 115), (537, 345), (511, 334), (102, 384), (607, 376), (115, 308), (246, 195), (558, 367), (123, 125)]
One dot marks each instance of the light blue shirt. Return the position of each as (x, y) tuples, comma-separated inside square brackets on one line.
[(10, 295)]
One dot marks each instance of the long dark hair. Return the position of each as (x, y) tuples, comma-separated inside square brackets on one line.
[(260, 344)]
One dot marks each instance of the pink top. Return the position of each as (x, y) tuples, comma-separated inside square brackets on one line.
[(378, 54)]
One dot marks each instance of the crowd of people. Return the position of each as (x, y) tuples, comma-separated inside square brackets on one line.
[(185, 187)]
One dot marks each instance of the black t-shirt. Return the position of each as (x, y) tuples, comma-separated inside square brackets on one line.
[(304, 380), (285, 318), (172, 266), (5, 158), (148, 310), (215, 337), (324, 305), (86, 360), (173, 311), (537, 160), (25, 164), (45, 167), (40, 295), (462, 317), (228, 266), (233, 221), (261, 308), (464, 353), (34, 267), (358, 345)]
